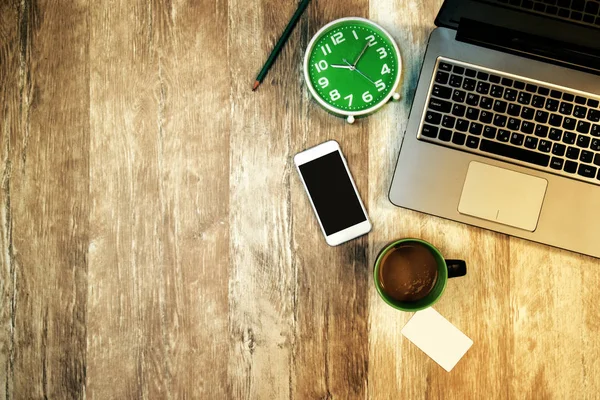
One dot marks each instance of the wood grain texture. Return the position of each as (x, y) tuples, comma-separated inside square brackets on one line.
[(157, 243)]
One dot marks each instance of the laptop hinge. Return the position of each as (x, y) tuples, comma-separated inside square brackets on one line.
[(528, 45)]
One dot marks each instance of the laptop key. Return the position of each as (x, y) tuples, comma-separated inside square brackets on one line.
[(595, 145), (568, 97), (429, 131), (496, 91), (579, 99), (459, 110), (483, 88), (587, 171), (471, 73), (442, 77), (595, 130), (570, 166), (569, 138), (458, 96), (541, 116), (507, 82), (489, 132), (524, 98), (559, 149), (552, 104), (455, 81), (527, 113), (482, 75), (531, 88), (557, 163), (486, 117), (500, 106), (517, 139), (494, 79), (543, 91), (445, 66), (586, 156), (556, 94), (433, 118), (472, 99), (583, 141), (441, 91), (445, 135), (527, 127), (514, 110), (469, 84), (593, 115), (519, 85), (569, 123), (538, 101), (459, 138), (597, 159), (531, 142), (462, 125), (555, 134), (517, 153), (503, 135), (472, 113), (565, 108), (500, 120), (475, 128), (510, 94), (555, 120), (573, 153), (448, 122), (486, 103), (513, 124), (579, 112), (440, 105), (458, 70), (583, 127), (593, 103), (473, 142), (545, 146)]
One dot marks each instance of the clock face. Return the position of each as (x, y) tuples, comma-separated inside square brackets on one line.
[(352, 66)]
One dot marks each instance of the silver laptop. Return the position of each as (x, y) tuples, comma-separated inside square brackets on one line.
[(504, 131)]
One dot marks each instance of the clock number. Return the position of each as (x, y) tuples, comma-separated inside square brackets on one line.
[(380, 85), (385, 69), (321, 65), (355, 35), (367, 97), (382, 52), (324, 82), (335, 95), (326, 49), (349, 98), (371, 40), (337, 38)]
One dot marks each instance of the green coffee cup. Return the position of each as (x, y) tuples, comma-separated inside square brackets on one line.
[(445, 269)]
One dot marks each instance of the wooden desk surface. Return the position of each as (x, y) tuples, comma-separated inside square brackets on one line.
[(156, 241)]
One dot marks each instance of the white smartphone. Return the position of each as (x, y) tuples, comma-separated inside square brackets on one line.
[(332, 193)]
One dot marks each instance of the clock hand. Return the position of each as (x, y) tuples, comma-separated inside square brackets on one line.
[(363, 75), (340, 66), (361, 54)]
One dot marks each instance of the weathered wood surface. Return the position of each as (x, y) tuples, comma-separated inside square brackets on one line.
[(157, 243)]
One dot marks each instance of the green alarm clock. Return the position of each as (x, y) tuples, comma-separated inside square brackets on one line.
[(352, 67)]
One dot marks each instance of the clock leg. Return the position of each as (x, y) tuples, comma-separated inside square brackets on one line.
[(350, 119), (396, 96)]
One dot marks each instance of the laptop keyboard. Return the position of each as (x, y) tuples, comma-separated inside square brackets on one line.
[(579, 11), (516, 119)]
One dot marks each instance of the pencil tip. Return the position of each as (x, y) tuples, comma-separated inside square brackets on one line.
[(256, 83)]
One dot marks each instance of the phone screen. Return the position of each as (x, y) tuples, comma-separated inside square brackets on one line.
[(332, 193)]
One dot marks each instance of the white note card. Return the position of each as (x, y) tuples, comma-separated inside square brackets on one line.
[(437, 337)]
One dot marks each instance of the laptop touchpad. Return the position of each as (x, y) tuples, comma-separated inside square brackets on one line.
[(502, 196)]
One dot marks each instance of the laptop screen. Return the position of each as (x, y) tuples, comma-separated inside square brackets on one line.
[(577, 11)]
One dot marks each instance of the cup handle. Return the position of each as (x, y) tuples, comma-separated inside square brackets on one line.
[(456, 268)]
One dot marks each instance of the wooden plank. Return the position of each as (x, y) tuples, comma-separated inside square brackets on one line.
[(262, 275), (126, 311), (10, 132), (331, 355), (45, 191)]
